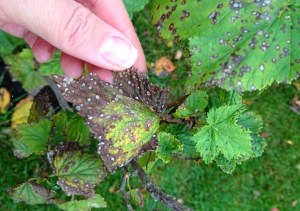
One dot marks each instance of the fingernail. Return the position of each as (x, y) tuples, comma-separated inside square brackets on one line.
[(118, 52)]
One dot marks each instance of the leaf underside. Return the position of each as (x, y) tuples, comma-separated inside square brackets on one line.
[(121, 116), (242, 45)]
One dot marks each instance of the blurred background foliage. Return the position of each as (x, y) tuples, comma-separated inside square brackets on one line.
[(270, 182)]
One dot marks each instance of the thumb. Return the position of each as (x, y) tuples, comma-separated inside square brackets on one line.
[(73, 29)]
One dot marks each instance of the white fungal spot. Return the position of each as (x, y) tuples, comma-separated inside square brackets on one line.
[(239, 83), (262, 67)]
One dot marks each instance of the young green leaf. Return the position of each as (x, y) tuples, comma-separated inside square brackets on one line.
[(8, 43), (84, 205), (252, 123), (78, 173), (242, 45), (31, 138), (223, 135), (167, 144), (52, 67), (134, 6), (121, 116), (22, 67), (31, 193), (196, 102)]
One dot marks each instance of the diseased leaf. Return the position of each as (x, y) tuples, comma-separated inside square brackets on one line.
[(134, 6), (223, 135), (78, 173), (44, 105), (84, 205), (31, 138), (241, 45), (22, 67), (31, 193), (196, 102), (52, 66), (226, 165), (167, 145), (115, 113), (137, 86)]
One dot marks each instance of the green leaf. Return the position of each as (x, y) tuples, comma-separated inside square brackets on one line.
[(136, 196), (196, 102), (134, 6), (185, 135), (31, 193), (223, 135), (219, 97), (77, 130), (8, 43), (147, 161), (167, 145), (77, 172), (242, 45), (71, 127), (31, 138), (52, 67), (253, 123), (22, 67), (84, 205)]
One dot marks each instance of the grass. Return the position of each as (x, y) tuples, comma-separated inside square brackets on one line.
[(270, 181)]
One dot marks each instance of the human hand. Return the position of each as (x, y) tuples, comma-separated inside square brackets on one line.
[(96, 32)]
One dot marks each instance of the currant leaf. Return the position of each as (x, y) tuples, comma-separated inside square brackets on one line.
[(31, 138), (223, 135), (134, 6), (121, 116), (194, 104), (241, 45), (78, 173), (167, 145), (22, 67), (31, 193), (84, 205)]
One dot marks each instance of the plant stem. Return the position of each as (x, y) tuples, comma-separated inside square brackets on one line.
[(155, 192), (62, 102), (125, 195)]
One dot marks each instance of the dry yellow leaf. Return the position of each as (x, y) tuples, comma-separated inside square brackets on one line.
[(22, 111), (164, 65), (4, 99)]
